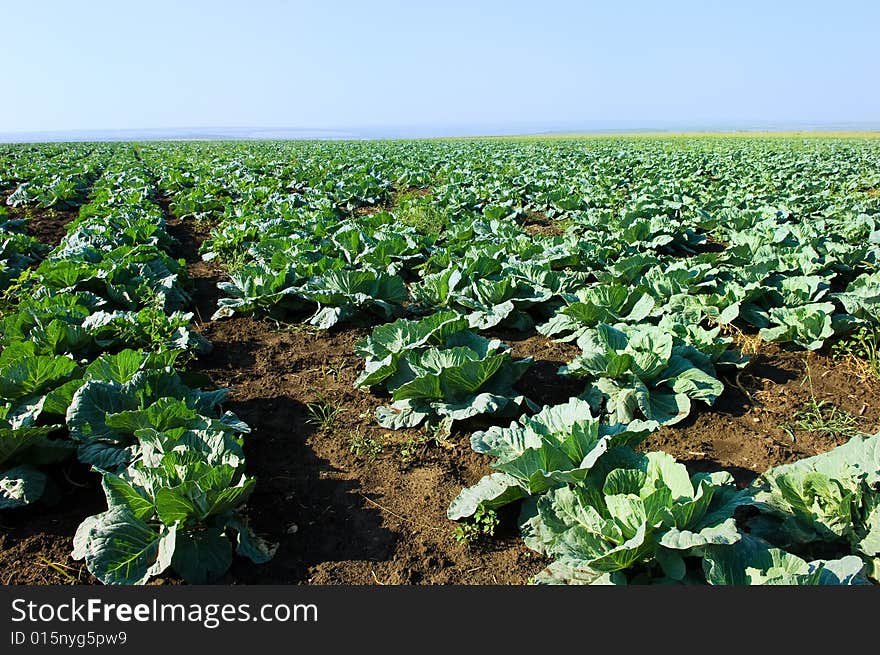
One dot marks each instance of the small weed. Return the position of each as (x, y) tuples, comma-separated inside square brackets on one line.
[(363, 446), (322, 415), (564, 223), (204, 222), (16, 290), (414, 447), (149, 297), (482, 524), (410, 449), (861, 350), (292, 328), (331, 370), (235, 261), (823, 417), (62, 570)]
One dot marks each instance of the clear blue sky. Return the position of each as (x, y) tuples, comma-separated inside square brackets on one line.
[(131, 64)]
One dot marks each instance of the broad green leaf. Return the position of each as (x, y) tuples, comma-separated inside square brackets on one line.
[(492, 491), (20, 486), (201, 556), (121, 549)]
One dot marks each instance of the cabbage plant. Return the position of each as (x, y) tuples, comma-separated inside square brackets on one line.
[(437, 370), (639, 519), (557, 446), (637, 372)]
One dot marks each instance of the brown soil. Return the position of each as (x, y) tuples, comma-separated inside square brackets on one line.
[(340, 517), (35, 542), (203, 276), (541, 382), (369, 210), (414, 191), (538, 223), (49, 226)]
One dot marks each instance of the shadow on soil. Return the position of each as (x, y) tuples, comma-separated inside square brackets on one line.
[(301, 502)]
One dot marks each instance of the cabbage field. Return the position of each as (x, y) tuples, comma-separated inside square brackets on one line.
[(617, 360)]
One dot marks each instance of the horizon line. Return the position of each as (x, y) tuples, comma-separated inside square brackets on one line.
[(428, 132)]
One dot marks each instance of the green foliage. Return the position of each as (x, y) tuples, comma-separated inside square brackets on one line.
[(92, 334), (644, 520), (419, 212), (438, 370), (557, 446), (18, 251), (368, 448), (172, 508), (666, 242), (823, 417), (827, 504), (752, 561), (591, 306), (322, 415), (644, 371), (863, 348), (481, 525)]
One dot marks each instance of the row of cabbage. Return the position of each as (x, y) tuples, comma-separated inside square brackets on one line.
[(50, 176), (56, 177), (646, 282), (18, 249), (92, 367), (606, 513)]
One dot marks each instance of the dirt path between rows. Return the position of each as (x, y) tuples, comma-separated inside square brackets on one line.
[(753, 425), (48, 226)]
